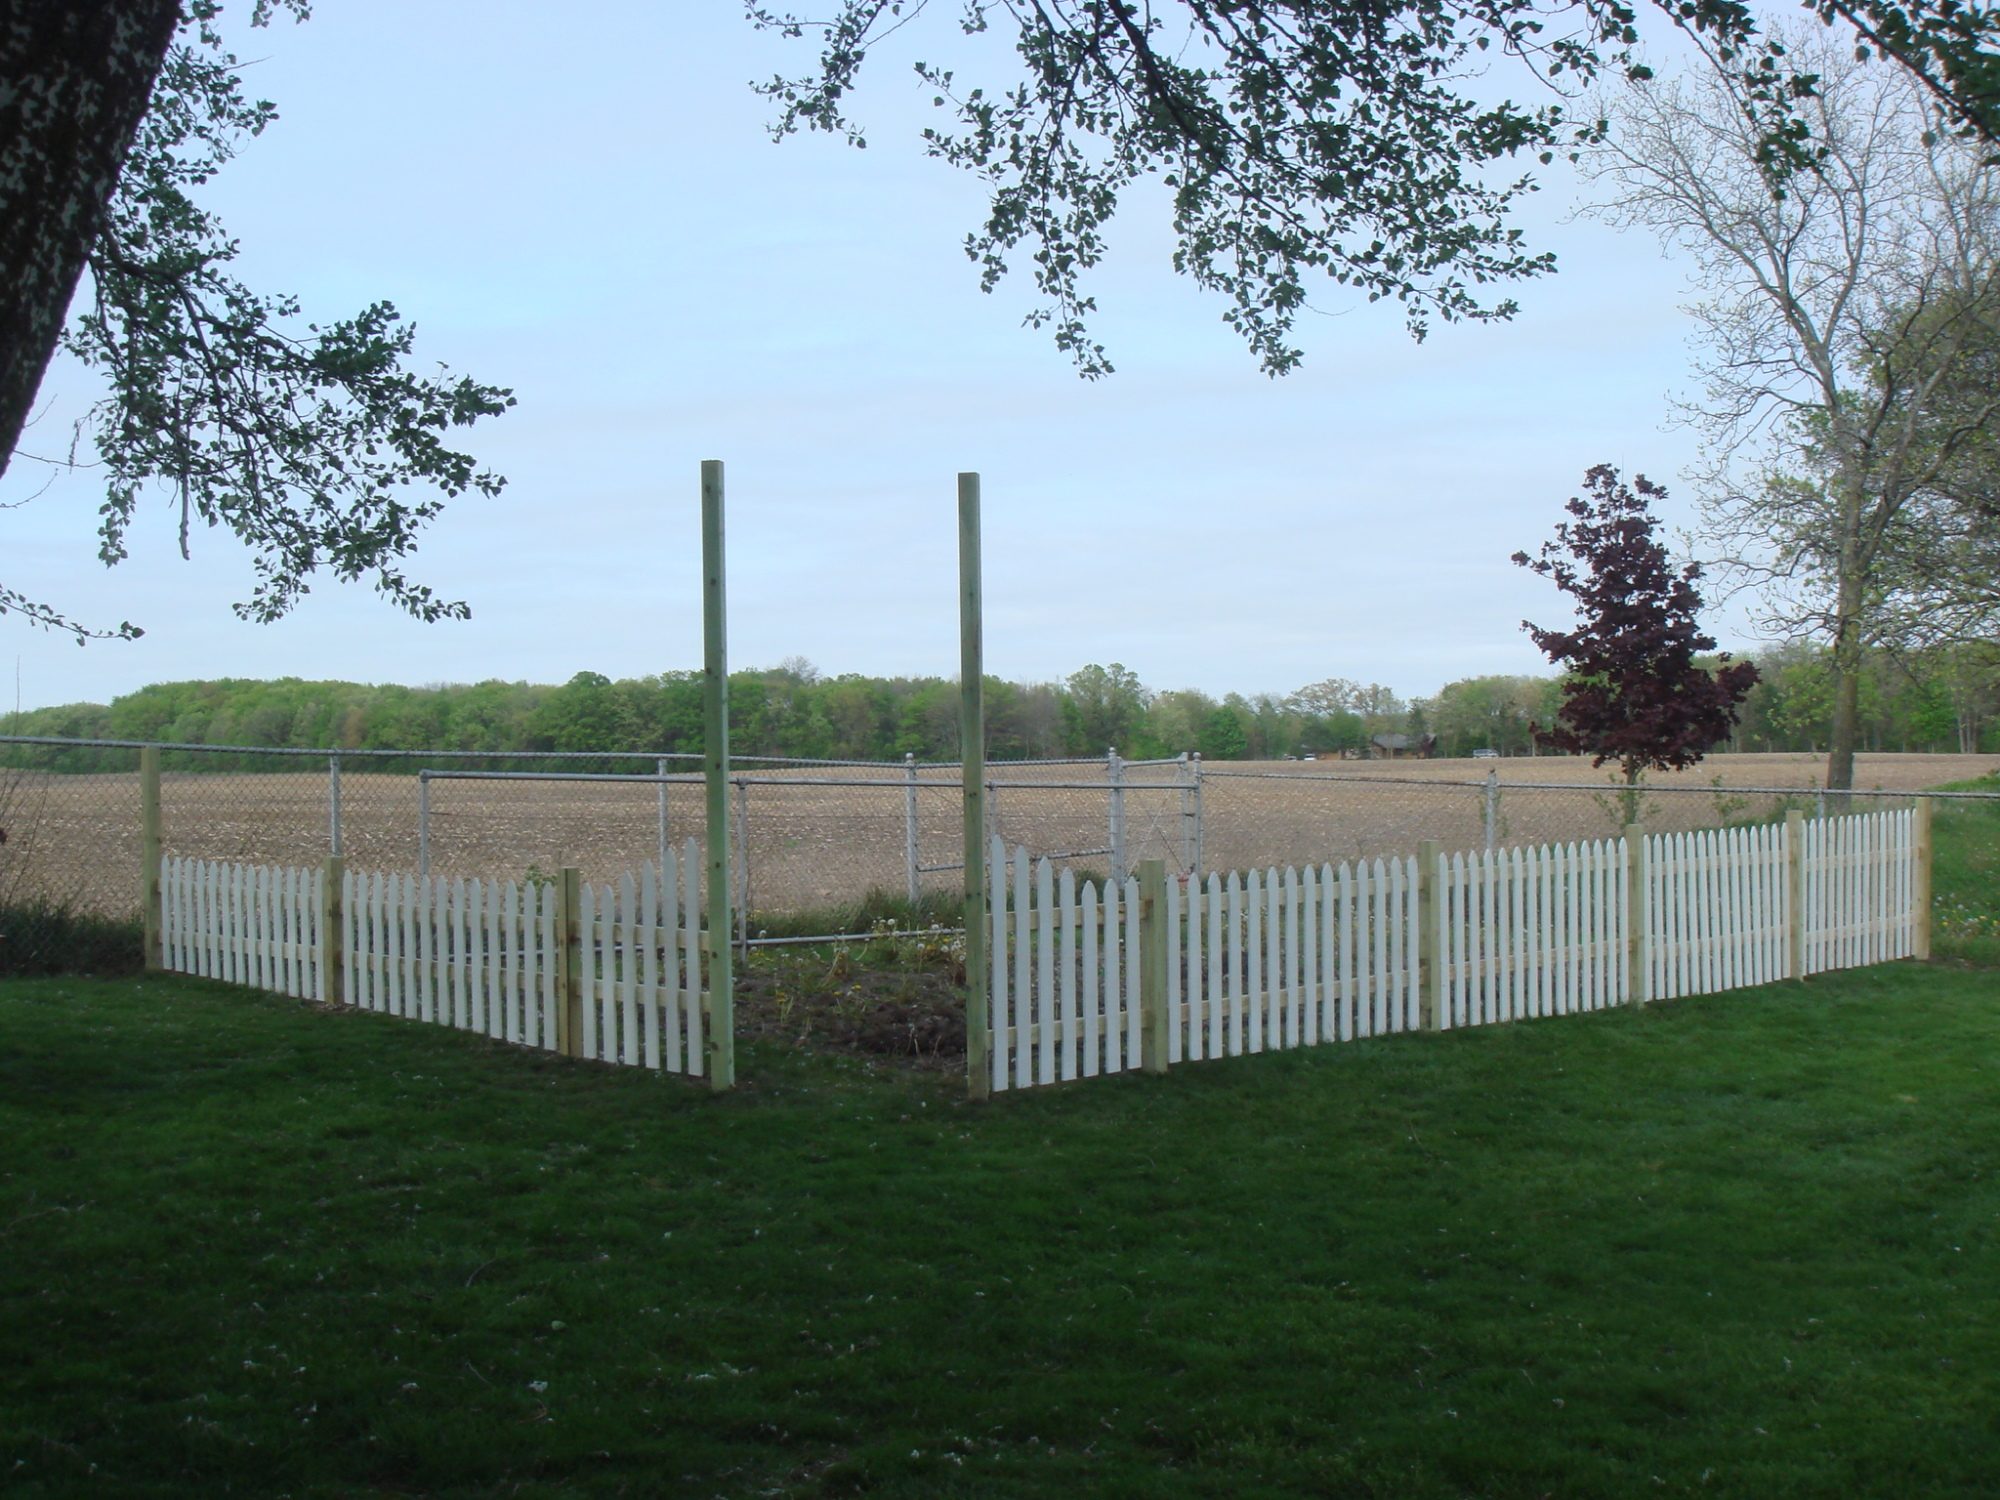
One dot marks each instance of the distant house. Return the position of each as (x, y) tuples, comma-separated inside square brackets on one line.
[(1399, 746)]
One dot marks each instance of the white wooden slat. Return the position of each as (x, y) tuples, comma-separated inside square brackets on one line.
[(1066, 971), (1192, 959), (1217, 945), (697, 995), (1172, 916), (1001, 944), (1114, 988), (629, 998), (649, 965), (1092, 999), (542, 1031), (1046, 1012), (588, 969), (1231, 948), (1349, 962), (670, 967), (1305, 927), (1133, 1023), (1253, 955), (1276, 1034), (1024, 1014)]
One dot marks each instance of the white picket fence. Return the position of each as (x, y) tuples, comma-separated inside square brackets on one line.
[(478, 955), (1272, 959)]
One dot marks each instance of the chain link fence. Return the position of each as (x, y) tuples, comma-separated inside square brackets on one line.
[(818, 848)]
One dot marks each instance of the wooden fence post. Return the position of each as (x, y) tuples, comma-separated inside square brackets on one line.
[(569, 961), (1638, 916), (1920, 883), (1795, 894), (1430, 937), (332, 919), (149, 854), (721, 991), (1153, 959), (972, 793)]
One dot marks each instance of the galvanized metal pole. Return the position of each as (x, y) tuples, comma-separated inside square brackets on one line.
[(743, 865), (715, 768), (910, 826), (666, 843), (150, 846), (1492, 810), (423, 825), (333, 805), (972, 758), (1200, 823), (1114, 772)]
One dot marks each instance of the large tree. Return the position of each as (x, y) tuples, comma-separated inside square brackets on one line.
[(1304, 137), (305, 439), (1837, 307)]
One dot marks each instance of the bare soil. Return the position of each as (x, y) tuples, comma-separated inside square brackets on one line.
[(822, 845)]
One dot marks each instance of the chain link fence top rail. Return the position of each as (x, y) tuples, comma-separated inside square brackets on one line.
[(817, 841)]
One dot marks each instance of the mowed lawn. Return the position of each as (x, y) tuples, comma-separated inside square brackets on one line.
[(1737, 1246)]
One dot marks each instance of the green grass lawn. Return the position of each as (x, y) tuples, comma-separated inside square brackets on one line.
[(1737, 1246)]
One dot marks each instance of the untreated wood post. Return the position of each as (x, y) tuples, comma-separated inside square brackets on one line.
[(332, 921), (149, 853), (569, 961), (1795, 894), (1430, 937), (715, 715), (972, 758), (1154, 1022), (1920, 883), (1638, 915)]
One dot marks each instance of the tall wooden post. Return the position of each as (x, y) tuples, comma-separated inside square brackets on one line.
[(332, 922), (569, 961), (715, 713), (972, 755), (149, 853), (1795, 894), (1154, 1021), (1638, 914), (1430, 937), (1920, 882)]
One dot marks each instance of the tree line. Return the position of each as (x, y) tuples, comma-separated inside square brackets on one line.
[(1945, 699)]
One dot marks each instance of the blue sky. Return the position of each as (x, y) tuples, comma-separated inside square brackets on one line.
[(583, 203)]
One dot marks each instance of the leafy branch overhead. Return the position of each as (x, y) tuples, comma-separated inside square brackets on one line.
[(1635, 690), (314, 443), (1301, 138)]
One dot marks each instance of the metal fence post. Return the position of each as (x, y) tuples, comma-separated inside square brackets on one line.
[(1153, 959), (743, 865), (1638, 915), (333, 805), (1196, 866), (423, 825), (149, 853), (666, 842), (1492, 809), (910, 824), (1114, 771)]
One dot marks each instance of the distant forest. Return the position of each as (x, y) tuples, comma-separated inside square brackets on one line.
[(1940, 701)]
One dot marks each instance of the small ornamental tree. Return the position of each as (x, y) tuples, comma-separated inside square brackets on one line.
[(1633, 691)]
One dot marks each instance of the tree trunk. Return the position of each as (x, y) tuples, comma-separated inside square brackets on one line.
[(75, 80), (1845, 733)]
